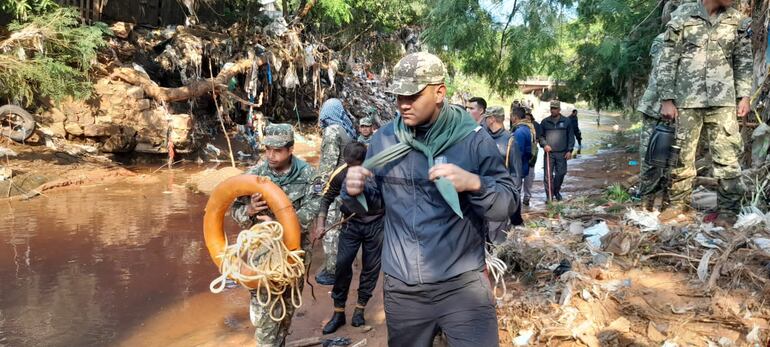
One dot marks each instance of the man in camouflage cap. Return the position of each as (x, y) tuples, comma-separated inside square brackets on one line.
[(437, 201), (558, 139), (303, 187), (365, 129), (705, 70)]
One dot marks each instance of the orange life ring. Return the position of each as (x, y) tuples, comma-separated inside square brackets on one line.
[(244, 185)]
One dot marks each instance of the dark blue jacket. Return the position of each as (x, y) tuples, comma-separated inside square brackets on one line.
[(424, 240), (523, 140), (502, 139)]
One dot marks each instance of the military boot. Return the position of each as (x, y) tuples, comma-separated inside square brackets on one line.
[(358, 317), (338, 320), (649, 203)]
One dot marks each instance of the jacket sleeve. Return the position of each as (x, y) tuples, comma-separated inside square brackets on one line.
[(311, 201), (372, 192), (238, 212), (332, 191), (330, 153), (497, 199), (541, 135), (570, 138), (743, 61), (669, 60)]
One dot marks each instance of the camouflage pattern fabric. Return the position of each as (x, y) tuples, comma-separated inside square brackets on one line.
[(416, 71), (278, 135), (649, 104), (705, 61), (305, 194), (269, 332), (331, 238), (334, 141), (725, 142)]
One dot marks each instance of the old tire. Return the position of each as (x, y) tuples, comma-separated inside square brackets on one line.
[(17, 124)]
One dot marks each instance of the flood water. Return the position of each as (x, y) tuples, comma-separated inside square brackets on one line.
[(126, 265), (85, 266)]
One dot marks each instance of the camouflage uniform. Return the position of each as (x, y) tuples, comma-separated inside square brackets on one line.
[(334, 140), (649, 106), (366, 121), (705, 65), (305, 193)]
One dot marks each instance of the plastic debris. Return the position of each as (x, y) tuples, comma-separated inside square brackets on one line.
[(750, 217), (647, 221), (762, 243), (7, 152), (703, 265), (524, 337), (594, 234), (753, 335), (708, 242)]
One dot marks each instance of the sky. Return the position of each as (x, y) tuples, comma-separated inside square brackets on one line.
[(501, 9)]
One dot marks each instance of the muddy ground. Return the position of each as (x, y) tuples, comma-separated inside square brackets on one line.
[(116, 257)]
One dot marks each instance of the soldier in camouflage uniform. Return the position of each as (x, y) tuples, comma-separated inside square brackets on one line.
[(337, 133), (365, 130), (303, 187), (704, 67), (649, 107)]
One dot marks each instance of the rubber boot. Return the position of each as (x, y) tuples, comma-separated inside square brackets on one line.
[(358, 317), (338, 320)]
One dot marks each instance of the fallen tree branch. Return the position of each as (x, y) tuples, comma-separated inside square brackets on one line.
[(192, 90)]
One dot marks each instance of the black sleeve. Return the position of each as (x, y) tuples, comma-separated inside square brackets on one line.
[(332, 191), (578, 135), (497, 198)]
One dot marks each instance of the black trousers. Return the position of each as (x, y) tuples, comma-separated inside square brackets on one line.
[(355, 234), (462, 308), (558, 168)]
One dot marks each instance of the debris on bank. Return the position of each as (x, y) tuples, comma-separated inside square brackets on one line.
[(628, 279)]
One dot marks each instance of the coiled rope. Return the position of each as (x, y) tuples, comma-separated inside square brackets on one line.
[(496, 268), (259, 255)]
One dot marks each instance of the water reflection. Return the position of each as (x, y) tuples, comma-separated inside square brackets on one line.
[(83, 266)]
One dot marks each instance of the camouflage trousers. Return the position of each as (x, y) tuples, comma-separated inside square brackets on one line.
[(725, 144), (652, 180), (331, 238), (268, 332)]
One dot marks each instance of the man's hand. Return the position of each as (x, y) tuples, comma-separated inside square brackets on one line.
[(568, 155), (356, 179), (462, 180), (264, 218), (320, 226), (547, 148), (257, 205), (744, 106), (668, 110)]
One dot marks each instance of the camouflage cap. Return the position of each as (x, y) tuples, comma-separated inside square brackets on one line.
[(497, 112), (555, 104), (416, 71), (366, 121), (278, 135)]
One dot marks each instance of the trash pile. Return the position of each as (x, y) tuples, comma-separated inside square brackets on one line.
[(154, 87), (632, 280)]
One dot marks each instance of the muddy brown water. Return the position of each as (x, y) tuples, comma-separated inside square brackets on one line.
[(125, 265)]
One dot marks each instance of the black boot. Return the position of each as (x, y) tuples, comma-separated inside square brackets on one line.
[(358, 317), (338, 320), (325, 278)]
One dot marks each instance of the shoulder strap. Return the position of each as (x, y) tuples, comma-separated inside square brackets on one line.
[(508, 152), (334, 174)]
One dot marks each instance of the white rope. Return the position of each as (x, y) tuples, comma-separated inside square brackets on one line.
[(497, 269)]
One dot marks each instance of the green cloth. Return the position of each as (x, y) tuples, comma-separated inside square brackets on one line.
[(453, 124), (297, 166)]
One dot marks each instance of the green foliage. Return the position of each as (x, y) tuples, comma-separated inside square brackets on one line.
[(49, 57), (617, 193), (24, 9)]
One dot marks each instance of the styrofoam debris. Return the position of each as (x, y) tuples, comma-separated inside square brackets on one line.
[(524, 337), (595, 233), (647, 221)]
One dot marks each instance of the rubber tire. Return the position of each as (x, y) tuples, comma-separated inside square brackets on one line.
[(27, 127)]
